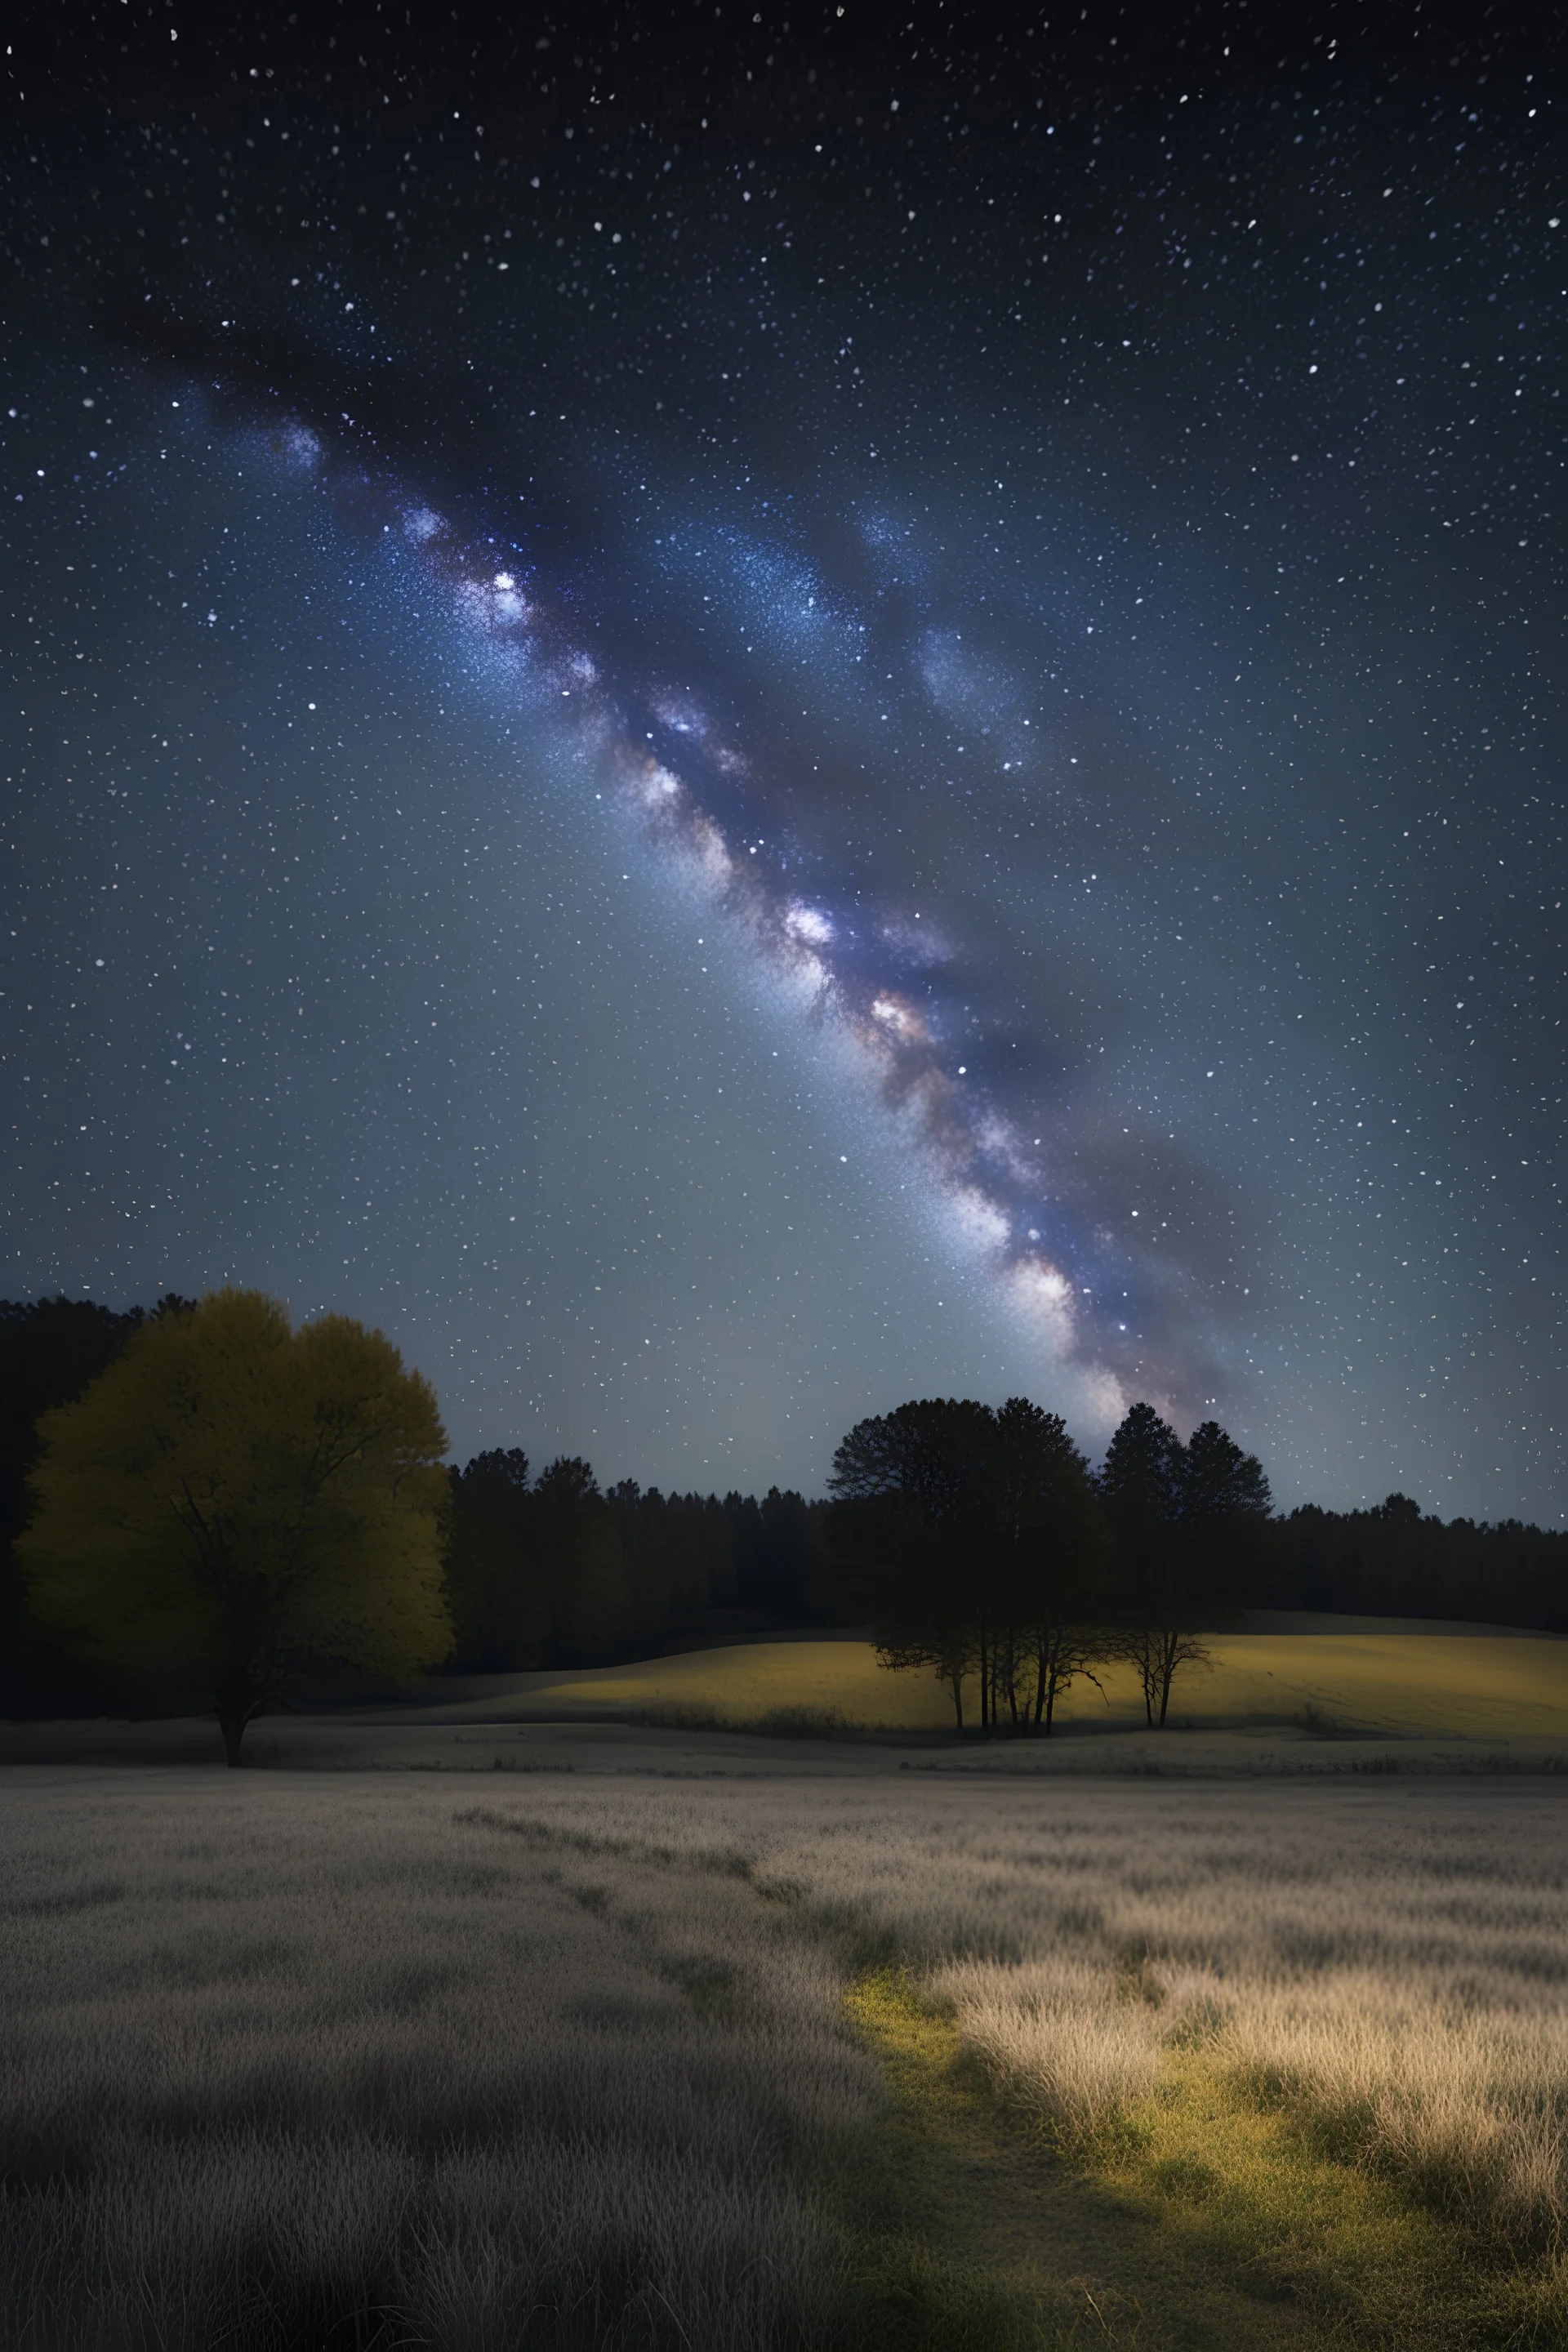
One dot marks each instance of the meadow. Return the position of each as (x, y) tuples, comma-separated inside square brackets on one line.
[(712, 2058), (1470, 1684)]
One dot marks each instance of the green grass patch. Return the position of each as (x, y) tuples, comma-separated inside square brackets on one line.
[(1200, 2221)]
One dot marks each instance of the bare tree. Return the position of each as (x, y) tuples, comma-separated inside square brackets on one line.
[(1156, 1653), (1063, 1655), (951, 1657)]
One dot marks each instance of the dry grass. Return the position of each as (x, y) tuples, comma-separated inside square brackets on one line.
[(743, 1684), (1477, 1686), (565, 2063), (1480, 1685), (281, 2059), (1402, 1993), (1391, 1965)]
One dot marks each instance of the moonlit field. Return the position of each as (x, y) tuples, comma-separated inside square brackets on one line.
[(605, 2060)]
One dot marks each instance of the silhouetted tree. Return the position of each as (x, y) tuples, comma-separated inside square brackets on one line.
[(1188, 1522), (500, 1619), (914, 1526), (1141, 1486), (580, 1560), (536, 1574), (1227, 1539), (1140, 1479), (791, 1558), (981, 1548), (1396, 1561), (1052, 1561), (1217, 1484)]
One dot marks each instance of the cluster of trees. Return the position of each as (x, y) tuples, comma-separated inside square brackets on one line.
[(983, 1548), (555, 1572), (207, 1505)]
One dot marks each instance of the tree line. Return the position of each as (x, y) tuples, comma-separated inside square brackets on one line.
[(201, 1500), (1396, 1561), (553, 1571)]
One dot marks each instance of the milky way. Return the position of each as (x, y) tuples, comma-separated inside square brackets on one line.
[(1032, 566), (726, 821)]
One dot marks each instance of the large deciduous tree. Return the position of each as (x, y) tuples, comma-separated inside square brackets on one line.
[(50, 1350), (234, 1502)]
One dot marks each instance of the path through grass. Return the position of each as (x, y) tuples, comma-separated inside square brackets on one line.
[(1199, 2222)]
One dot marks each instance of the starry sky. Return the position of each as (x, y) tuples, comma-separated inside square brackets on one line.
[(735, 716)]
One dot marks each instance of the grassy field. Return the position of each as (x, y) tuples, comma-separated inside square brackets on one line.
[(297, 2060), (1323, 1703), (1476, 1686)]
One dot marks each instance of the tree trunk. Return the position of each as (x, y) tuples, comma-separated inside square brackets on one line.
[(238, 1699), (958, 1695), (1167, 1673), (984, 1679)]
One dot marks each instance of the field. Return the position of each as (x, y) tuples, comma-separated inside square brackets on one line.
[(1311, 1701), (1471, 1685), (677, 2050)]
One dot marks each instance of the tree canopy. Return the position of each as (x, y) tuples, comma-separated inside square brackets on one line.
[(49, 1350), (552, 1571), (982, 1547), (1190, 1524), (975, 1538), (233, 1502)]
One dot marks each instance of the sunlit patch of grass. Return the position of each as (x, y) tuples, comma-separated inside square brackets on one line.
[(1192, 2217), (1479, 1686), (799, 1689), (1246, 2192), (919, 2273)]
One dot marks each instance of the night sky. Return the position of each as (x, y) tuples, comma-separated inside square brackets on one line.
[(737, 715)]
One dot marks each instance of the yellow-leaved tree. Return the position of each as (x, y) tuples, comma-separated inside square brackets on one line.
[(234, 1501)]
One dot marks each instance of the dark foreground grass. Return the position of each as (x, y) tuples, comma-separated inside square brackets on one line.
[(1199, 2222)]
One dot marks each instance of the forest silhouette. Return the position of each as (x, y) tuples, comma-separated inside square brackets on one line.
[(978, 1542)]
